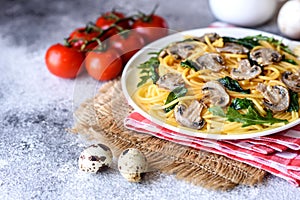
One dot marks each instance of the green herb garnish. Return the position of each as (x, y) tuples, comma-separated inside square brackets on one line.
[(175, 94), (239, 104), (294, 104), (189, 64), (242, 41), (149, 71), (218, 111), (253, 41), (291, 61), (252, 117), (232, 85)]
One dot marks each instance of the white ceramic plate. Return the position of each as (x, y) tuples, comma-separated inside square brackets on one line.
[(130, 77)]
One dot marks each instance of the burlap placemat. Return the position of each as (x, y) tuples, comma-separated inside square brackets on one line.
[(101, 119)]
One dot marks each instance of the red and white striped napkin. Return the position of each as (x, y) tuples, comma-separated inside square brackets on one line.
[(278, 154)]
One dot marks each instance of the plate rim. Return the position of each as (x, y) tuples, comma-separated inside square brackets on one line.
[(237, 31)]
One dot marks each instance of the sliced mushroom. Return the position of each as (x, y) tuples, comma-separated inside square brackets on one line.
[(211, 61), (216, 93), (190, 116), (265, 56), (291, 80), (230, 47), (211, 36), (180, 50), (276, 98), (170, 81), (245, 71)]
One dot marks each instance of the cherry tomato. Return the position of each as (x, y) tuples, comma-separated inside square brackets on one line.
[(64, 61), (81, 35), (151, 27), (127, 43), (103, 65), (109, 18)]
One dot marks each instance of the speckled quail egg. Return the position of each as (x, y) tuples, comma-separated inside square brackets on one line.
[(132, 164), (95, 158)]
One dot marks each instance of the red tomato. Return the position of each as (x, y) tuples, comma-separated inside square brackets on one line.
[(63, 61), (109, 18), (127, 44), (80, 36), (151, 27), (103, 65)]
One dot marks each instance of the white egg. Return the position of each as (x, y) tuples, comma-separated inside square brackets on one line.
[(132, 164), (243, 12), (95, 158), (289, 19)]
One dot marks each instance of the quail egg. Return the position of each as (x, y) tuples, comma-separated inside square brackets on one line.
[(132, 164), (95, 158)]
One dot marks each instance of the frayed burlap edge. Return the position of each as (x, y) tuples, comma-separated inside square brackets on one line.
[(101, 119)]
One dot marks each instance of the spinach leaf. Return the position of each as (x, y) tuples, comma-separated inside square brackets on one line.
[(189, 64), (149, 71), (294, 103), (175, 94), (232, 85), (239, 104)]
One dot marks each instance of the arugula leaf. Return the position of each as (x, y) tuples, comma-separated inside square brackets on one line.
[(239, 104), (149, 71), (175, 94), (232, 85), (252, 117), (189, 64), (294, 104)]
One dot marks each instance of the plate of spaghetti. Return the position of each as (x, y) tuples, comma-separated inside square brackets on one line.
[(218, 83)]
